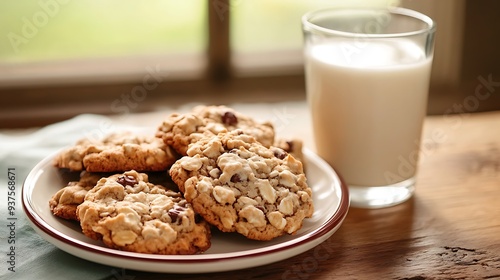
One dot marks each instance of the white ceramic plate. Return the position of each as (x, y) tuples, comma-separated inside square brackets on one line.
[(229, 251)]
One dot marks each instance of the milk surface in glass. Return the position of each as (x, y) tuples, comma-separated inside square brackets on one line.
[(368, 103)]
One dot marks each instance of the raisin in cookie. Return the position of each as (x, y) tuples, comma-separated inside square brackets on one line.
[(180, 130), (239, 185), (64, 202), (292, 146), (129, 213), (118, 152)]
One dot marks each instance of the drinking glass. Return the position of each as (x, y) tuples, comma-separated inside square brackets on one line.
[(367, 79)]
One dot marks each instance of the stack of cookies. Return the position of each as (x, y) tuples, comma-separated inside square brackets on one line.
[(229, 171)]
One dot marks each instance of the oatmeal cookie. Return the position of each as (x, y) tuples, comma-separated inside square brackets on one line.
[(64, 202), (129, 213), (180, 130), (118, 152), (239, 185)]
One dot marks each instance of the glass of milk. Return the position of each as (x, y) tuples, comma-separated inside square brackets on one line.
[(367, 78)]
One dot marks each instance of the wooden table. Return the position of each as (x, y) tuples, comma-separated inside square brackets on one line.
[(450, 229)]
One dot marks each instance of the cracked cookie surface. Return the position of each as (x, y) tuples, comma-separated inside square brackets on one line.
[(180, 130), (239, 185), (117, 152), (129, 213)]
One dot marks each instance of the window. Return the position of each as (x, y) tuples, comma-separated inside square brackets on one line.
[(50, 39)]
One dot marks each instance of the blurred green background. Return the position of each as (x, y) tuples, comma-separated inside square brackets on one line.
[(46, 30), (80, 29)]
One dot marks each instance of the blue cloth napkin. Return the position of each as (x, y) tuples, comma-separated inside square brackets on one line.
[(26, 255)]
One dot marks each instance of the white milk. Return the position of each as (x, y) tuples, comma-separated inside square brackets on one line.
[(368, 103)]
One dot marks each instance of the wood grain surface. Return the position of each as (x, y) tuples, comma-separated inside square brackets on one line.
[(450, 229)]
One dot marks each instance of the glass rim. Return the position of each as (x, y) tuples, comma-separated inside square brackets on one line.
[(430, 28)]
